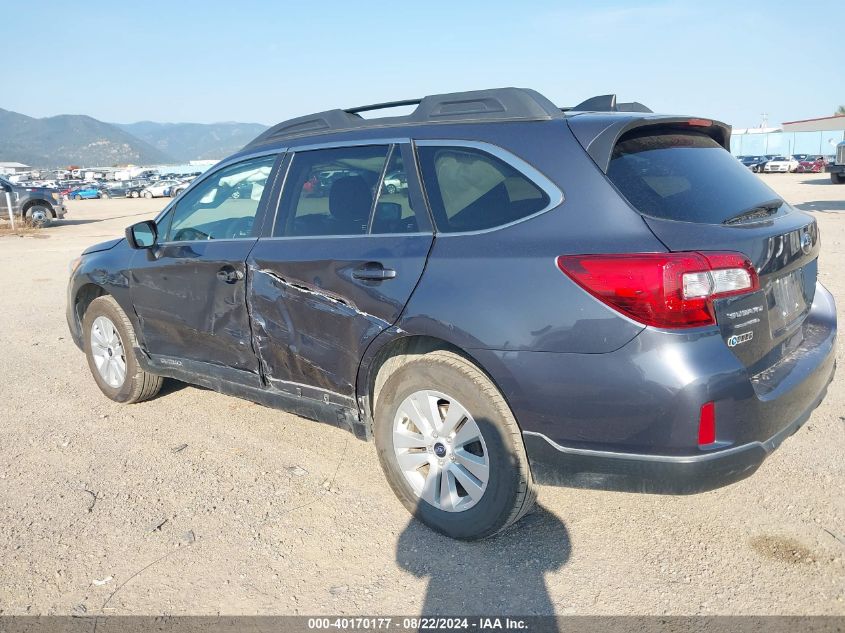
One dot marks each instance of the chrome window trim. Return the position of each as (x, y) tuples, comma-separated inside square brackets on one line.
[(556, 197), (227, 239), (342, 237), (293, 149)]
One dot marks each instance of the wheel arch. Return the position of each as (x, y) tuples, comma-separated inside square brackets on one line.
[(38, 201), (83, 298), (396, 349)]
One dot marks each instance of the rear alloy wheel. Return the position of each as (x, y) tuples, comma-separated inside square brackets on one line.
[(109, 342), (147, 194), (450, 447), (134, 194), (441, 451), (104, 195)]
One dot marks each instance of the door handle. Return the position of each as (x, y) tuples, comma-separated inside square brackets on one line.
[(229, 275), (373, 271)]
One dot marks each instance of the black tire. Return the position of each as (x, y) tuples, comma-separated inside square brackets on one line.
[(510, 491), (390, 189), (836, 179), (135, 194), (148, 195), (138, 385), (104, 196), (77, 197)]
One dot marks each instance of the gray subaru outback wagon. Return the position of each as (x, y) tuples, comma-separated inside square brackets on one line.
[(598, 296)]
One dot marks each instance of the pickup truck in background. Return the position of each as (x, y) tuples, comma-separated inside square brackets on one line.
[(836, 169), (37, 205)]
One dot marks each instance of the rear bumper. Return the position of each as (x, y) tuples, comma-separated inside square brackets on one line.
[(628, 419), (658, 474)]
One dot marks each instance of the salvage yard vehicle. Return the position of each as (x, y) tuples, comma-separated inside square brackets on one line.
[(781, 164), (811, 165), (37, 205), (158, 189), (754, 163), (836, 167), (597, 296), (85, 192)]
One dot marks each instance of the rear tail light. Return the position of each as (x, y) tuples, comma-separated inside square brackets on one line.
[(667, 290)]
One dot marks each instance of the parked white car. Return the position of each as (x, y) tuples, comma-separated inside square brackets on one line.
[(781, 164), (158, 189)]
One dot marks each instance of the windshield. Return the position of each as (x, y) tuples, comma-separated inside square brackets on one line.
[(684, 176)]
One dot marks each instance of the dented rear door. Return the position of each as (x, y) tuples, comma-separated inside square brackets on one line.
[(317, 301)]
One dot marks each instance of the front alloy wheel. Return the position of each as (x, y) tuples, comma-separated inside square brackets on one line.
[(109, 347), (441, 451), (107, 351)]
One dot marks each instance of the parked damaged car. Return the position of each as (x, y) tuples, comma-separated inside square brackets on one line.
[(548, 296)]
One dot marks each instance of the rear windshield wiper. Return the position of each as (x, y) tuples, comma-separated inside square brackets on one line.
[(757, 212)]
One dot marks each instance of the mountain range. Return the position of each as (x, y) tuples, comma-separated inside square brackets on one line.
[(73, 139)]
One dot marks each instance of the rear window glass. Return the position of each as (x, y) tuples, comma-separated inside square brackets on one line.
[(686, 177), (471, 190)]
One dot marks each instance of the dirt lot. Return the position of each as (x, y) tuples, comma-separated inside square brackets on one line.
[(197, 503)]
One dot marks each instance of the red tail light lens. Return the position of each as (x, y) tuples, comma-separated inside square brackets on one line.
[(707, 424), (667, 290)]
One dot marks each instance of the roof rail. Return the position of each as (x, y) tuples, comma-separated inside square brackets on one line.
[(382, 106), (500, 104)]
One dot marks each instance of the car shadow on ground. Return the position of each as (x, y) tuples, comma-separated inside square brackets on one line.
[(171, 385), (818, 181), (823, 206), (502, 574), (59, 223)]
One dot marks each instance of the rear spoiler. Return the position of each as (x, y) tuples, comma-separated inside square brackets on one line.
[(599, 135)]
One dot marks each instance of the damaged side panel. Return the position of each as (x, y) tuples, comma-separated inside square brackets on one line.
[(312, 319)]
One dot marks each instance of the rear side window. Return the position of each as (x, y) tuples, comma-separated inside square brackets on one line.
[(686, 177), (471, 190), (331, 191)]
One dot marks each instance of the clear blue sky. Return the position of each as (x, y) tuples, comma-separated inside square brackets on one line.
[(264, 61)]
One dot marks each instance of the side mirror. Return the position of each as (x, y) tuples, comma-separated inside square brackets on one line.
[(142, 235)]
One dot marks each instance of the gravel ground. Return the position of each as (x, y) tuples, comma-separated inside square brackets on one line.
[(198, 503)]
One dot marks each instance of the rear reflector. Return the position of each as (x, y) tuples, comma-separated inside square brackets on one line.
[(707, 424), (667, 290)]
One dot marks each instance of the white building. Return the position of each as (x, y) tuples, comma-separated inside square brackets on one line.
[(13, 168)]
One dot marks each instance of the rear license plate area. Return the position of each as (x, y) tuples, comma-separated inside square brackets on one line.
[(785, 297)]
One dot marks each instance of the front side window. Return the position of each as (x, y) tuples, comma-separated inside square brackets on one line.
[(224, 205), (471, 190), (331, 191)]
